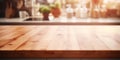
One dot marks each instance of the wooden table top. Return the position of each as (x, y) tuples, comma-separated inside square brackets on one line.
[(59, 38)]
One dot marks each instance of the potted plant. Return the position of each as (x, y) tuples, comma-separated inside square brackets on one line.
[(55, 9), (45, 10)]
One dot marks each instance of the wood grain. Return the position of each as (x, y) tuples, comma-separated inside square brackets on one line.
[(59, 37)]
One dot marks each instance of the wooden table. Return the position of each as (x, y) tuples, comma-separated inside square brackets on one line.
[(78, 39)]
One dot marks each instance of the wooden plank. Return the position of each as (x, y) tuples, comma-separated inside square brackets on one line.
[(34, 39), (73, 39), (15, 44), (14, 34), (111, 43), (4, 27), (87, 39), (84, 38), (46, 39), (108, 36), (59, 39)]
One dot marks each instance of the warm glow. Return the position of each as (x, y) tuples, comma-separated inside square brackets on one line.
[(106, 1), (50, 1)]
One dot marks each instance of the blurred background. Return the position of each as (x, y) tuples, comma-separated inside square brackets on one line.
[(66, 8)]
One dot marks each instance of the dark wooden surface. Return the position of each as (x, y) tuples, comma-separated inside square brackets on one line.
[(60, 54)]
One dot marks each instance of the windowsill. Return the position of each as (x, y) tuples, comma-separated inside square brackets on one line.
[(84, 21)]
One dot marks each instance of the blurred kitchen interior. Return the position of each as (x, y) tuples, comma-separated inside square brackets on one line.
[(69, 8)]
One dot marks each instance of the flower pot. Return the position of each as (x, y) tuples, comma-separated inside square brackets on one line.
[(56, 12), (45, 16)]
